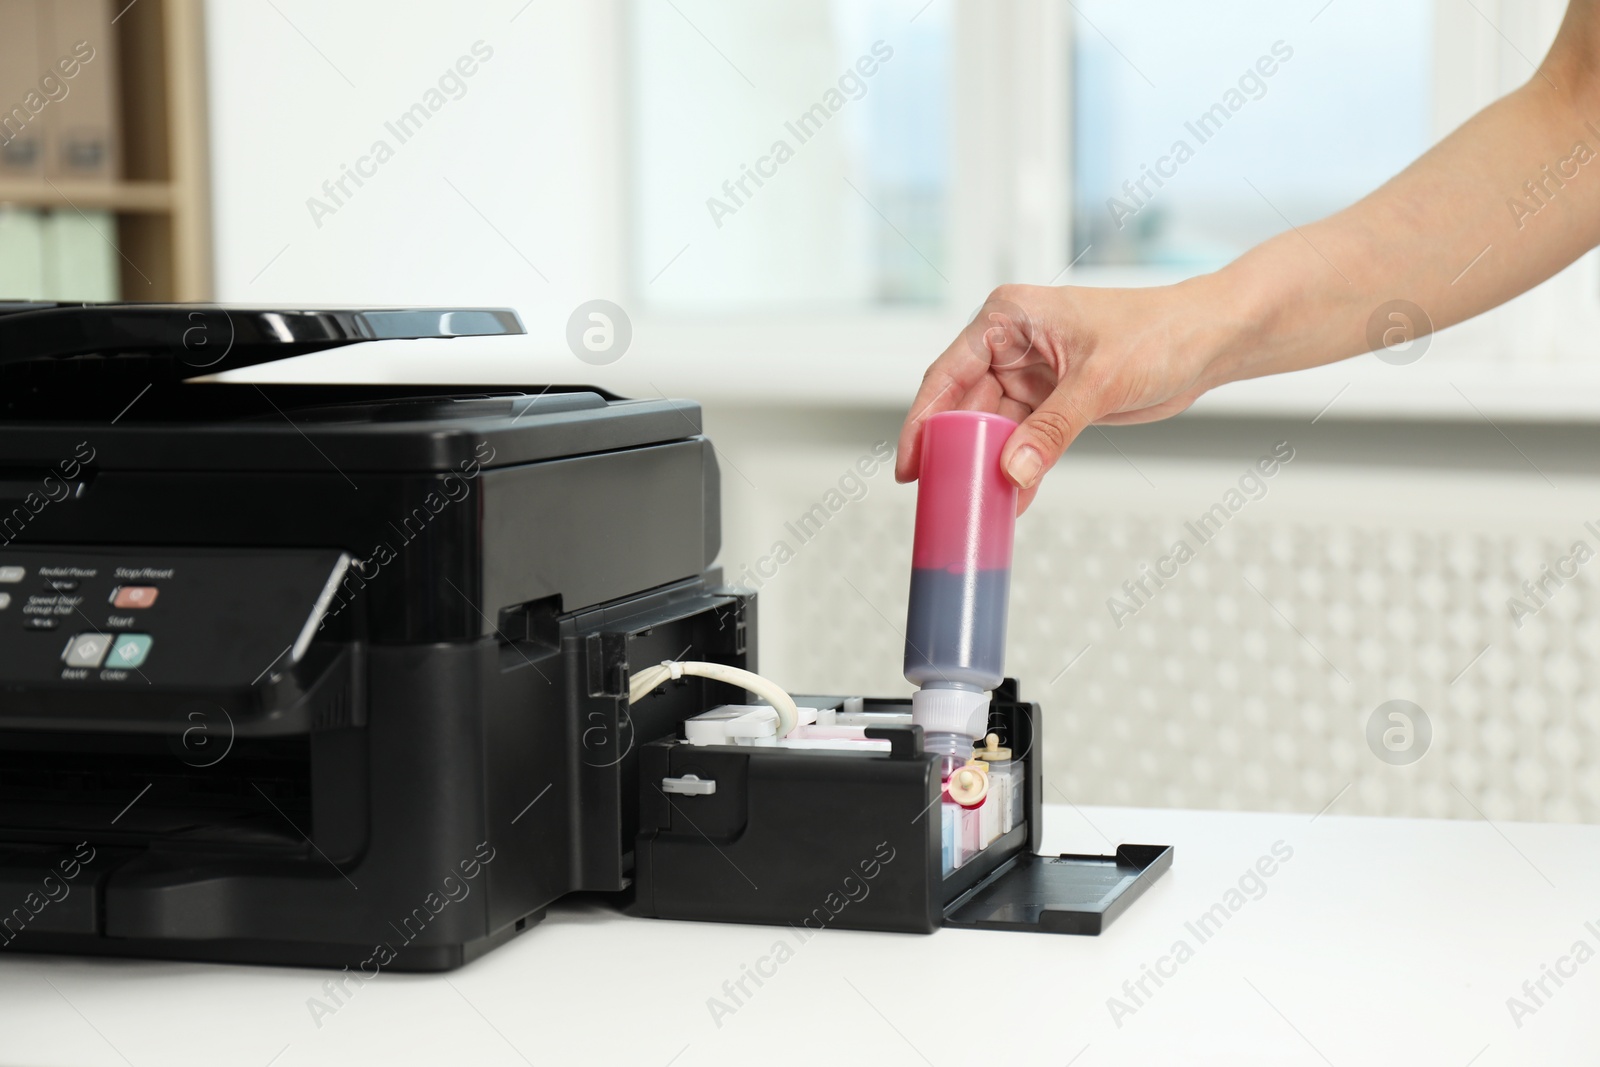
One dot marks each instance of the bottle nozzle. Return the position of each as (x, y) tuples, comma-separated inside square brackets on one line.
[(951, 711)]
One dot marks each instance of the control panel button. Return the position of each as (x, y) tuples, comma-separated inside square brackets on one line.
[(130, 651), (87, 650), (133, 597), (12, 575), (40, 622), (5, 601)]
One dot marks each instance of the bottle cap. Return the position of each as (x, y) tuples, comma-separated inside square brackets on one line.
[(950, 711), (968, 784), (992, 749)]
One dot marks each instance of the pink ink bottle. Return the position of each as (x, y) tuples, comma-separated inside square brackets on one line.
[(960, 579)]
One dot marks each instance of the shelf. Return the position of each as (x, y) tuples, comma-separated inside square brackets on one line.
[(150, 198), (161, 199)]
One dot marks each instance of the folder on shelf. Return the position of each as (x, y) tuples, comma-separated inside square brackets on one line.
[(80, 256), (21, 254), (81, 128), (22, 106)]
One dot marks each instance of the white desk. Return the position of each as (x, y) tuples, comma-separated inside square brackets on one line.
[(1378, 942)]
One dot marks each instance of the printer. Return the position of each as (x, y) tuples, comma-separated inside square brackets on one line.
[(339, 675)]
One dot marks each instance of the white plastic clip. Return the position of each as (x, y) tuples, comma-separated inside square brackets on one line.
[(689, 785)]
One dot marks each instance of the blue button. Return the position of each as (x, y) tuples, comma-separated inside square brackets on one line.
[(129, 651)]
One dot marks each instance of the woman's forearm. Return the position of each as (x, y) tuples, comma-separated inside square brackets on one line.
[(1503, 203)]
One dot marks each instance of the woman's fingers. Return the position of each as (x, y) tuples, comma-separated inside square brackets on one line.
[(1009, 334), (940, 391), (985, 396), (999, 343), (945, 385), (1015, 410), (1038, 443)]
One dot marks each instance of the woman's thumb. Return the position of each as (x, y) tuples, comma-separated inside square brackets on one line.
[(1038, 443)]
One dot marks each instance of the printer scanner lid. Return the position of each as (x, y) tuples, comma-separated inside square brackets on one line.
[(137, 378), (201, 339)]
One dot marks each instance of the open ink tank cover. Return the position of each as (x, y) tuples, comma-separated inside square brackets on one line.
[(960, 577)]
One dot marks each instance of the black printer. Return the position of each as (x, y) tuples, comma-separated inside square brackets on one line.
[(338, 675)]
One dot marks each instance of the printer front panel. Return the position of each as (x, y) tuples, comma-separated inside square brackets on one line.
[(391, 736), (100, 638)]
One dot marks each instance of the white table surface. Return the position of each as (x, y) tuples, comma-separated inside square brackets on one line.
[(1379, 941)]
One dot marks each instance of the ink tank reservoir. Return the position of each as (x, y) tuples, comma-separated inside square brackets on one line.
[(960, 579)]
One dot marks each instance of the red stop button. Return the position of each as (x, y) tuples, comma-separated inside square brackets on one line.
[(134, 596)]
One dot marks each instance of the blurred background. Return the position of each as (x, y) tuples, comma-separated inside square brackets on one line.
[(793, 206)]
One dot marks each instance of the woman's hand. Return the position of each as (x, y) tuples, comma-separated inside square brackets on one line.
[(1059, 360)]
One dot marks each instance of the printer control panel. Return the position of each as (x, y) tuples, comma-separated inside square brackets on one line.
[(137, 617)]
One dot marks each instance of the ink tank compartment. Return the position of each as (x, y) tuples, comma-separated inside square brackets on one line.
[(905, 815), (745, 826)]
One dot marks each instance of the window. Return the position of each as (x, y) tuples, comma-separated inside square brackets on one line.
[(1099, 142), (1202, 129), (790, 154)]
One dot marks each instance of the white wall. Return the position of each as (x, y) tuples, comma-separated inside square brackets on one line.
[(301, 88)]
